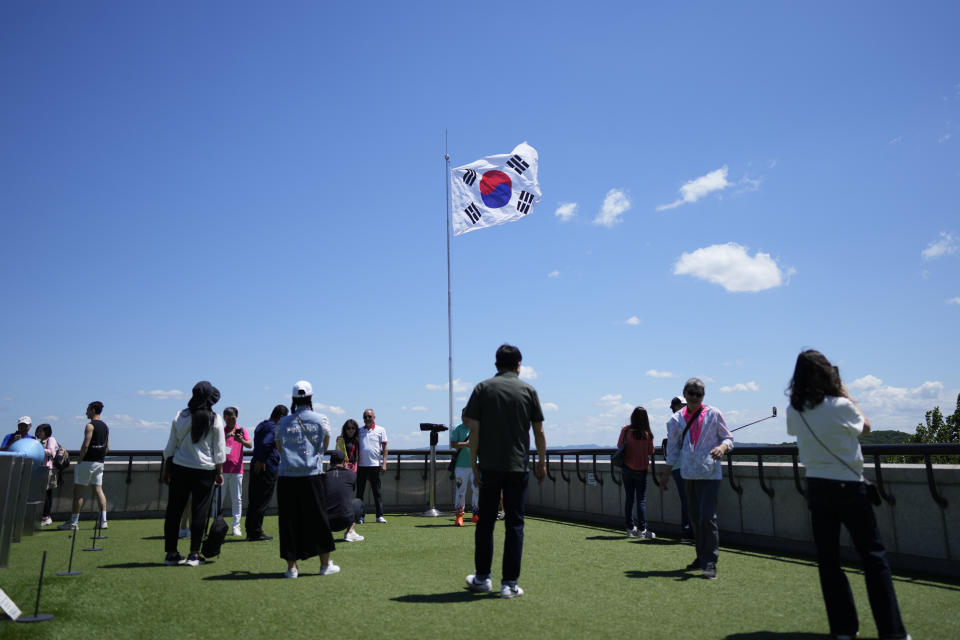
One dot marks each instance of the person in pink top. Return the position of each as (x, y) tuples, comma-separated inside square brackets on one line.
[(237, 439), (44, 434), (639, 441)]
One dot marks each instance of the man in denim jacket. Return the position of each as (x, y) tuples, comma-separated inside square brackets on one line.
[(700, 450)]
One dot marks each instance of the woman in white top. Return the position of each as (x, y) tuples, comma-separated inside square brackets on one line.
[(195, 453), (827, 424)]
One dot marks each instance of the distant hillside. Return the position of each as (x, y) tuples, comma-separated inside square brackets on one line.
[(889, 436)]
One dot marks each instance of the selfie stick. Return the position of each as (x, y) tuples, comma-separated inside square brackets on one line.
[(756, 421)]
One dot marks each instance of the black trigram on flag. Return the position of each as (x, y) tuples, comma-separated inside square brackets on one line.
[(523, 202), (518, 164), (473, 213), (470, 177)]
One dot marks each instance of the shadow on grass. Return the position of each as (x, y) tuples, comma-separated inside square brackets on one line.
[(605, 538), (249, 575), (132, 565), (152, 538), (441, 598), (775, 635), (436, 526), (679, 574)]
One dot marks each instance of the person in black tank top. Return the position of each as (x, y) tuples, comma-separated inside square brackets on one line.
[(89, 471)]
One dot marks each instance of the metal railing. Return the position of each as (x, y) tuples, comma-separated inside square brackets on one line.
[(584, 459)]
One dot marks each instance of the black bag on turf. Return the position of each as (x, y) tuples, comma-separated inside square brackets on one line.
[(217, 532)]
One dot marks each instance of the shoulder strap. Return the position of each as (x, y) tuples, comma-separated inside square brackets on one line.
[(825, 447), (690, 422)]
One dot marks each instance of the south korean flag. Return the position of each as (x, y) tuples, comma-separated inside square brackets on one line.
[(495, 189)]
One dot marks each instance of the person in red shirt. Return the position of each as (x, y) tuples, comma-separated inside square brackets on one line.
[(639, 440)]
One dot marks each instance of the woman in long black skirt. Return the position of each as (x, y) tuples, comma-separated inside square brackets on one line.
[(302, 438)]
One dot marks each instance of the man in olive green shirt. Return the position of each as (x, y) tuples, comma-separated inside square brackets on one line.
[(500, 413)]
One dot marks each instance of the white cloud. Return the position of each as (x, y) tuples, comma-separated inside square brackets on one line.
[(332, 408), (633, 321), (614, 407), (50, 418), (954, 300), (773, 163), (653, 373), (897, 140), (528, 373), (748, 184), (614, 205), (740, 386), (945, 245), (566, 211), (903, 407), (458, 386), (944, 138), (730, 266), (699, 187), (160, 394), (417, 407), (126, 421), (550, 406), (553, 274)]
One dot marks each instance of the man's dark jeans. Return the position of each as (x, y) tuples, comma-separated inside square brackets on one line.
[(513, 484), (371, 475), (260, 493), (833, 503)]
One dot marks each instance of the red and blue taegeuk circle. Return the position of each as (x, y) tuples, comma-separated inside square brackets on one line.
[(495, 189)]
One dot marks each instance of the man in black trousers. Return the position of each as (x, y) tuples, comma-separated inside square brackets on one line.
[(263, 478)]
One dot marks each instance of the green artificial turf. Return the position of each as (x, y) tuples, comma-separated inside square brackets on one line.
[(406, 580)]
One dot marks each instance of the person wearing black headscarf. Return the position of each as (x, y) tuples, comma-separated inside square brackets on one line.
[(194, 453)]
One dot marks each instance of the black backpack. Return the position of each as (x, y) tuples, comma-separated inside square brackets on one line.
[(217, 532)]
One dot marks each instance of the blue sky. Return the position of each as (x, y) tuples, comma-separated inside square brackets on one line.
[(254, 194)]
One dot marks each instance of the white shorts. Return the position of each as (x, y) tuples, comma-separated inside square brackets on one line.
[(88, 473)]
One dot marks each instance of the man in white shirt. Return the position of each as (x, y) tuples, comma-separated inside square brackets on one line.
[(372, 461)]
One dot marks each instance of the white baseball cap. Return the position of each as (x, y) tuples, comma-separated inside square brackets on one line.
[(24, 420), (302, 389)]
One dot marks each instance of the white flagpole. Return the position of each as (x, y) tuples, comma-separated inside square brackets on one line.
[(446, 178)]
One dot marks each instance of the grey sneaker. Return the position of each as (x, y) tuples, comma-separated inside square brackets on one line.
[(478, 586), (646, 533), (381, 520), (68, 526), (291, 573), (174, 559), (330, 569), (709, 571), (510, 591), (632, 533)]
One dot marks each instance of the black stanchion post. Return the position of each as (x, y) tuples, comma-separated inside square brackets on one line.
[(37, 616), (70, 571), (94, 537)]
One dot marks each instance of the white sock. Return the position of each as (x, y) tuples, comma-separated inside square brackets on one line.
[(74, 518), (103, 516)]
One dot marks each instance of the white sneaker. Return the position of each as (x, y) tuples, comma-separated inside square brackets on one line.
[(103, 524), (46, 522), (353, 536), (510, 591), (68, 526), (184, 533), (381, 520), (291, 573), (236, 531), (646, 533), (330, 569), (479, 586), (632, 533)]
